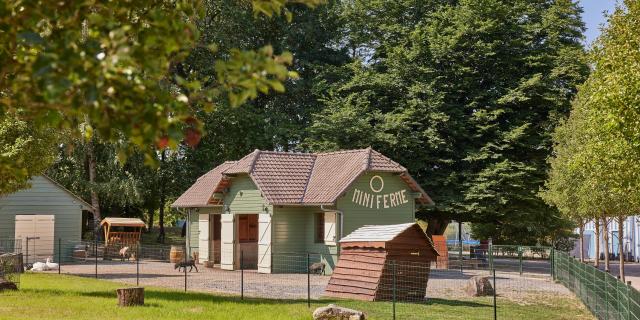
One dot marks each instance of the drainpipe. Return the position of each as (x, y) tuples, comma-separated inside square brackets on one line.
[(341, 214)]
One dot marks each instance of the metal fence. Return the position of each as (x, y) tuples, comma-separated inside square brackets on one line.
[(517, 277), (605, 295)]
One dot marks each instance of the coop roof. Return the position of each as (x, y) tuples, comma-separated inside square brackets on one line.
[(298, 178), (123, 222), (377, 233)]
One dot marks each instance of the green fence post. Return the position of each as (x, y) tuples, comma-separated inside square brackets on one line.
[(606, 297), (520, 258), (394, 289), (595, 286), (552, 260), (59, 254), (628, 300), (490, 254)]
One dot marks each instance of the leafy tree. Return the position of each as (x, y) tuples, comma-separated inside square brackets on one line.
[(465, 94), (270, 121), (25, 151), (108, 65), (596, 155)]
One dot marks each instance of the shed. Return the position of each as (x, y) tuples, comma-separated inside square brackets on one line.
[(40, 216), (369, 256)]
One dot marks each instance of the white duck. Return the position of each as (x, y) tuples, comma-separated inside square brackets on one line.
[(51, 266), (39, 266)]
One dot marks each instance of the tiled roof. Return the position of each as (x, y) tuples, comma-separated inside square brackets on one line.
[(298, 178), (199, 194)]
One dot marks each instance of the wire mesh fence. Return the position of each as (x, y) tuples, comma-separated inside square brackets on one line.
[(605, 295), (491, 283)]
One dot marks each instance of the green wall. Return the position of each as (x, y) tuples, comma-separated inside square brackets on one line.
[(244, 197), (44, 198), (356, 215)]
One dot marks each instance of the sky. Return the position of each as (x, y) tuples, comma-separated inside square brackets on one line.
[(593, 16)]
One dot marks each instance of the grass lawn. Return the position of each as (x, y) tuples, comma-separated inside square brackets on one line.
[(50, 296)]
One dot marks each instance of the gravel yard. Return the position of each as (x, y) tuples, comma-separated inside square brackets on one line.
[(443, 284)]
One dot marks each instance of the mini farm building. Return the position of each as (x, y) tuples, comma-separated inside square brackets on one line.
[(269, 208), (371, 255)]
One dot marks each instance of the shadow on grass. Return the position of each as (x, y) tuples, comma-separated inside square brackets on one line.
[(173, 296)]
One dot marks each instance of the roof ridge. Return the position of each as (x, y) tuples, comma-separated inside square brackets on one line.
[(306, 184), (367, 163), (288, 152), (255, 159), (341, 151)]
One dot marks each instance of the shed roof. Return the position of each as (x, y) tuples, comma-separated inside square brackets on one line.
[(298, 178), (377, 233), (123, 222)]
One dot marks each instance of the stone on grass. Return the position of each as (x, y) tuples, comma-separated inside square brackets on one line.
[(7, 285), (479, 286), (333, 312)]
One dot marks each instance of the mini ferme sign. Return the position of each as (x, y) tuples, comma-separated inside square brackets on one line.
[(376, 200)]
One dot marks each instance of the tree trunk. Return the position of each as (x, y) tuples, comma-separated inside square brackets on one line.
[(596, 262), (95, 200), (605, 230), (620, 246), (152, 213), (161, 233), (130, 296), (581, 241), (436, 226)]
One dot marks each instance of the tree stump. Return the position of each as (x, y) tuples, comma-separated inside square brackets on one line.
[(130, 296)]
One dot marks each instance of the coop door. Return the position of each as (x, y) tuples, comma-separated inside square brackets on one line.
[(37, 234)]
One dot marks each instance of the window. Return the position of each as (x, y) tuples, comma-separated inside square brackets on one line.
[(320, 227), (248, 228), (325, 228)]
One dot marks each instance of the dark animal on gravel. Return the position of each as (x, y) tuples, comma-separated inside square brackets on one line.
[(317, 267), (184, 264)]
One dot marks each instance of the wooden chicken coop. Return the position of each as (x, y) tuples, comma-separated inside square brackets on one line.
[(370, 255), (122, 231)]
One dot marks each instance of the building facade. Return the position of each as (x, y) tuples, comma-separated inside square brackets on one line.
[(271, 206), (630, 239)]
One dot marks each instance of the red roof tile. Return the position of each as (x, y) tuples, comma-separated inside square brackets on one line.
[(299, 178), (199, 194)]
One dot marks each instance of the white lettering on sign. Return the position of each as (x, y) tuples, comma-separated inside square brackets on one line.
[(379, 201)]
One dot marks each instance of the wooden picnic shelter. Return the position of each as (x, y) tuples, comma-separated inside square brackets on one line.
[(130, 237)]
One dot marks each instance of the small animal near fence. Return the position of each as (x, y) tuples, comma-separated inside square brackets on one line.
[(368, 268), (121, 234)]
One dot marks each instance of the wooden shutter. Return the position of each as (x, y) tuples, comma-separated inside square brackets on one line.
[(203, 237), (227, 235), (330, 228)]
